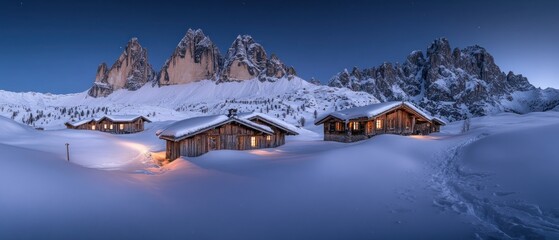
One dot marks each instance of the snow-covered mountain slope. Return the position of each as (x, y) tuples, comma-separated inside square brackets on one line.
[(455, 84), (289, 99)]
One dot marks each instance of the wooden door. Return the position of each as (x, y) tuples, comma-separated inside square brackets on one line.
[(212, 143)]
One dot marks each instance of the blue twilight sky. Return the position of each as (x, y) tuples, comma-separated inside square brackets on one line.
[(56, 46)]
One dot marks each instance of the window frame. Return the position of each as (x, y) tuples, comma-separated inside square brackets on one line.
[(253, 142), (378, 124)]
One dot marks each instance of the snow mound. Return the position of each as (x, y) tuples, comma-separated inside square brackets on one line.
[(9, 126)]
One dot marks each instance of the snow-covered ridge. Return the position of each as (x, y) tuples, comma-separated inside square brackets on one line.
[(293, 100)]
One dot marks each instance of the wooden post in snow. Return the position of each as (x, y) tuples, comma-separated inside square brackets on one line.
[(68, 152)]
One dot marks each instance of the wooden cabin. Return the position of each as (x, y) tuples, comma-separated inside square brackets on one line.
[(361, 123), (87, 124), (195, 136), (279, 127), (122, 124), (111, 124)]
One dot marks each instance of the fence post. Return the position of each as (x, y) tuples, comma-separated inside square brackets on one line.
[(68, 152)]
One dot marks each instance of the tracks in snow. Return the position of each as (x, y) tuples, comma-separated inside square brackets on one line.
[(462, 190)]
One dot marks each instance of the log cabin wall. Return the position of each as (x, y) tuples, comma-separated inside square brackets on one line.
[(275, 140), (121, 127)]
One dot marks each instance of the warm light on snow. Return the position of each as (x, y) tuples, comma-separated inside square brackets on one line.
[(261, 152), (425, 137), (136, 146)]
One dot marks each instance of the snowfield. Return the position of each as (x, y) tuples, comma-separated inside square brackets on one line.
[(496, 181)]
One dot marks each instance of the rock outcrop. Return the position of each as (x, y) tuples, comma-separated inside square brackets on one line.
[(130, 71), (453, 83), (195, 58), (315, 81), (247, 59)]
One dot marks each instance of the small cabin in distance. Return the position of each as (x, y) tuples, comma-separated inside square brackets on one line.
[(193, 137), (364, 122), (86, 124), (111, 124)]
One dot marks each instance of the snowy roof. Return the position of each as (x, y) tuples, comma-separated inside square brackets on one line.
[(290, 128), (80, 122), (373, 110), (116, 118), (192, 126), (440, 120), (123, 118)]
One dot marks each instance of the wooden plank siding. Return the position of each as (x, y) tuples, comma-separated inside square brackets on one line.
[(115, 127), (232, 136), (121, 127), (401, 121)]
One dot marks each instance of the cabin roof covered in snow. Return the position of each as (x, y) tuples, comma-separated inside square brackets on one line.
[(80, 122), (289, 128), (116, 118), (123, 118), (374, 110), (192, 126)]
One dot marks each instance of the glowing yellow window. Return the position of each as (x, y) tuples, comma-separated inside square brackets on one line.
[(111, 126), (355, 125), (268, 138), (253, 141), (339, 126), (105, 126), (93, 127), (121, 126), (379, 124)]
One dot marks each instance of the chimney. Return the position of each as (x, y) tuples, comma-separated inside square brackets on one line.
[(232, 112)]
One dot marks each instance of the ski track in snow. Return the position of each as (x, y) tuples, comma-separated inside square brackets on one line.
[(501, 219)]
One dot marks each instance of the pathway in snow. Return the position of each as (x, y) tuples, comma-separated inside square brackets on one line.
[(463, 190)]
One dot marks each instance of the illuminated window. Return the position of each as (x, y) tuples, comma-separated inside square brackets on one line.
[(379, 124), (253, 141), (93, 127), (105, 126), (121, 126), (111, 126), (339, 126), (355, 126), (268, 138)]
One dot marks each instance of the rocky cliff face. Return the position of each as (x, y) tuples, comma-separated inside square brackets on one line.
[(247, 60), (453, 83), (195, 58), (130, 71)]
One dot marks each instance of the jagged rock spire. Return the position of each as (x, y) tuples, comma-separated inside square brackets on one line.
[(247, 59), (130, 71), (195, 58)]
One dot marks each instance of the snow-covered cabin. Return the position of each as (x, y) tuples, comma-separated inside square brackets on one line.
[(86, 124), (360, 123), (111, 124), (195, 136)]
